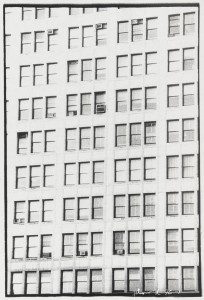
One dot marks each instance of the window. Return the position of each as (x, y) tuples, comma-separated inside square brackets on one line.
[(172, 241), (98, 171), (71, 139), (151, 63), (118, 280), (133, 280), (45, 282), (99, 137), (121, 100), (174, 25), (172, 167), (30, 282), (83, 208), (87, 36), (173, 95), (172, 279), (39, 42), (33, 211), (72, 71), (23, 111), (99, 100), (84, 172), (26, 42), (32, 246), (82, 244), (150, 98), (134, 242), (96, 281), (16, 283), (18, 245), (188, 130), (100, 68), (188, 166), (120, 135), (134, 205), (73, 38), (47, 210), (34, 177), (135, 169), (86, 66), (151, 28), (49, 140), (150, 168), (188, 94), (122, 66), (149, 205), (96, 243), (70, 173), (27, 13), (46, 247), (188, 59), (188, 200), (69, 205), (52, 73), (22, 142), (37, 111), (68, 244), (136, 99), (25, 76), (38, 78), (173, 60), (52, 40), (136, 64), (172, 131), (19, 211), (21, 177), (99, 9), (81, 281), (119, 206), (67, 281), (120, 170), (36, 141), (85, 138), (149, 241), (97, 207), (149, 279), (135, 134), (172, 203), (188, 240), (137, 30), (150, 133), (40, 13), (101, 32), (189, 23), (118, 242), (71, 105), (86, 104), (188, 279), (123, 32)]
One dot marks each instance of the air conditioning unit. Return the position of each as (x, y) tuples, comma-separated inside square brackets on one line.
[(50, 31), (83, 253), (100, 108), (120, 252), (19, 221), (47, 255), (136, 21), (99, 26), (51, 115)]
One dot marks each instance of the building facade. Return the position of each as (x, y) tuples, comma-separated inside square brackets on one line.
[(102, 135)]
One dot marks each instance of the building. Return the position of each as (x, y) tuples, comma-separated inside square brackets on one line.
[(102, 111)]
